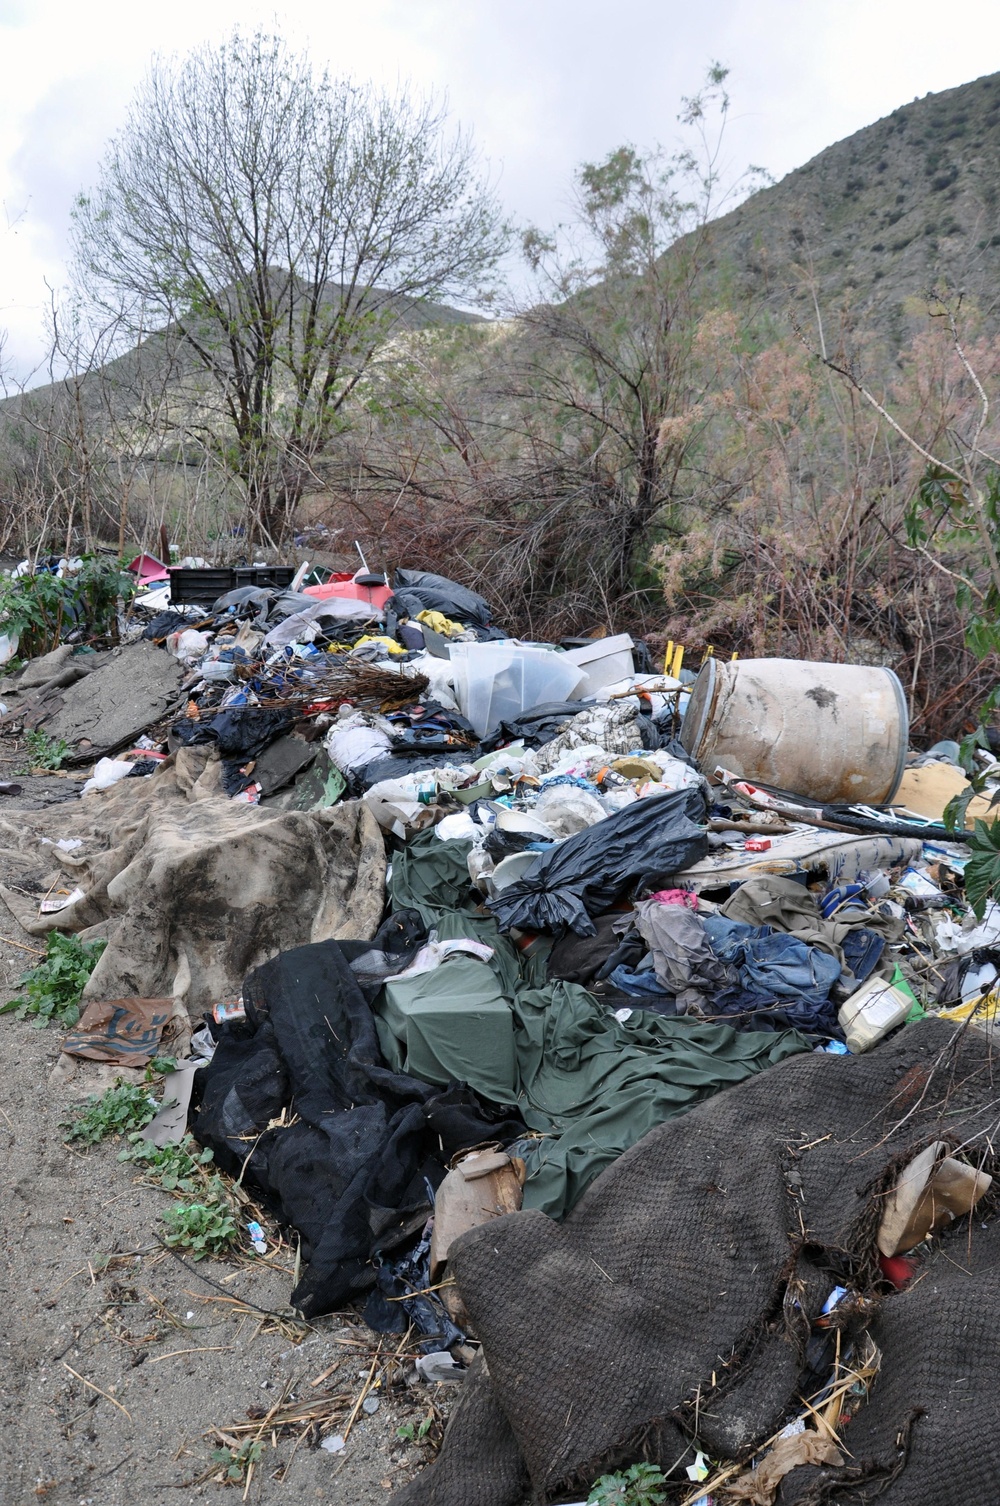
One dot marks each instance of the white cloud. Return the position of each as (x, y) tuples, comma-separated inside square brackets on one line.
[(544, 84)]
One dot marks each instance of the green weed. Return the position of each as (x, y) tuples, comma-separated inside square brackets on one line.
[(175, 1168), (43, 752), (40, 609), (640, 1485), (202, 1228), (237, 1462), (412, 1432), (53, 988), (122, 1108), (982, 871)]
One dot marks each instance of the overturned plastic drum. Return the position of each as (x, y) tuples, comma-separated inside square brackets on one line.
[(836, 733)]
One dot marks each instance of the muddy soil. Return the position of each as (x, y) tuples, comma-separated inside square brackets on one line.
[(117, 1360)]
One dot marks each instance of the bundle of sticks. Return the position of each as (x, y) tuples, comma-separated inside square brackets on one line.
[(363, 684)]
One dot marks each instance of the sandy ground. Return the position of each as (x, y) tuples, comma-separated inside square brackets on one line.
[(117, 1361)]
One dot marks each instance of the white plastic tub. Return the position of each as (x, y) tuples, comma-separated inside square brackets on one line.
[(495, 682), (605, 661)]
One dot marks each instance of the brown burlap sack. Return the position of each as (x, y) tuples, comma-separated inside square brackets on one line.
[(673, 1303)]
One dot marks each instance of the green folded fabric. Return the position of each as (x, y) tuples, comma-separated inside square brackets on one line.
[(596, 1085), (431, 876), (452, 1024)]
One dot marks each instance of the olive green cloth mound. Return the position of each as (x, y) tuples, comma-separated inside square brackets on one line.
[(594, 1085), (589, 1084)]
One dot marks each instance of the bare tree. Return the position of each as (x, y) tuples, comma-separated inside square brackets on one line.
[(280, 225), (957, 500), (610, 337)]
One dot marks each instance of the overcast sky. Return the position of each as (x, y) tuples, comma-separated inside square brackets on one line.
[(544, 85)]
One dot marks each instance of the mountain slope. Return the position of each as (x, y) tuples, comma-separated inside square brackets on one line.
[(881, 216)]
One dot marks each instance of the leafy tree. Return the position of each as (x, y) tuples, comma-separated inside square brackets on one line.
[(277, 225)]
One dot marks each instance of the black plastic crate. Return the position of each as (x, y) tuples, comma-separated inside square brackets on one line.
[(204, 587)]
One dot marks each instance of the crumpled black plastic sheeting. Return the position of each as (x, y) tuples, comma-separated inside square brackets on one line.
[(241, 734), (417, 591), (168, 622), (640, 847), (351, 1172), (404, 1294), (534, 728)]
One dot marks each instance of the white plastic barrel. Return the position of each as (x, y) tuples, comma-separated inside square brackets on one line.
[(834, 732)]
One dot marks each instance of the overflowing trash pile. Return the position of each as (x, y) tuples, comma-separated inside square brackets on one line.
[(634, 1026)]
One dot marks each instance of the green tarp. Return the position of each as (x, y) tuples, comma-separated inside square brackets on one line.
[(591, 1085), (431, 877), (597, 1085), (452, 1024)]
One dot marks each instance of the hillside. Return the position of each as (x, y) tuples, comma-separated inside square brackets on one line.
[(150, 363), (879, 217), (871, 222)]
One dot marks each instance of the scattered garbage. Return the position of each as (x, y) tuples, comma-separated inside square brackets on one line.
[(257, 1237), (126, 1031), (531, 978), (440, 1368), (932, 1191)]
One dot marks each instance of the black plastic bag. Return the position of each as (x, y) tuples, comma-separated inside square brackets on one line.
[(241, 734), (641, 846), (419, 591)]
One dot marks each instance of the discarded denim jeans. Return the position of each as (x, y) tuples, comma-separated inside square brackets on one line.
[(773, 962)]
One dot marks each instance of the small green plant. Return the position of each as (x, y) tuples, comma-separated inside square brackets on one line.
[(203, 1228), (39, 609), (238, 1462), (122, 1108), (53, 988), (414, 1432), (640, 1485), (175, 1168), (43, 752)]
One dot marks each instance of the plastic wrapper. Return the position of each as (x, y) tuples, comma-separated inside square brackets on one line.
[(568, 810), (354, 743), (107, 771)]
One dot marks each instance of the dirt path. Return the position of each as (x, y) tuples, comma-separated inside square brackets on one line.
[(116, 1359)]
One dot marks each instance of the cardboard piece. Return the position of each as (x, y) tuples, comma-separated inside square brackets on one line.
[(760, 1486), (927, 790), (484, 1185), (128, 1031)]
